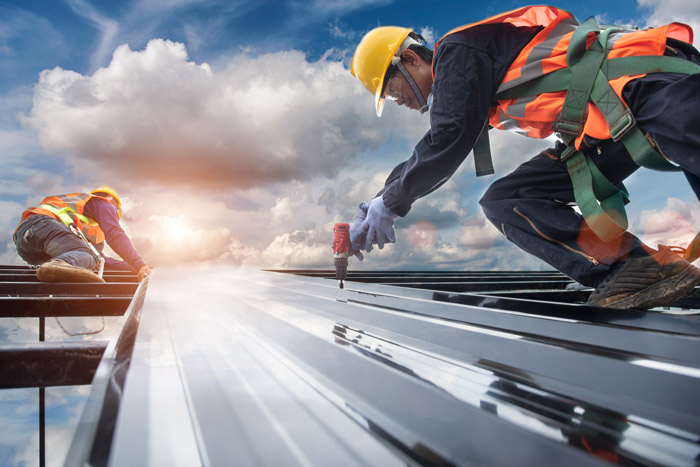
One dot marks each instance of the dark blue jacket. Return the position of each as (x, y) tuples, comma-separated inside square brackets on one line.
[(468, 67)]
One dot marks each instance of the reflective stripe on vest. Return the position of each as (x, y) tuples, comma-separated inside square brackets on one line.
[(69, 208)]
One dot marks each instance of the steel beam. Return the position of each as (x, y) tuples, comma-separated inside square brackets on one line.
[(67, 288), (31, 277), (49, 364), (36, 307)]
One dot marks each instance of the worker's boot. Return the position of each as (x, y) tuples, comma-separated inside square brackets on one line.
[(57, 270), (643, 283)]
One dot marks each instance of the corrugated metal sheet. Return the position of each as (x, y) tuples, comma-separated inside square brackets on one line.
[(262, 368), (224, 366)]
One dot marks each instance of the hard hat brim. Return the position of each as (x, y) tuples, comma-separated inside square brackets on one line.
[(378, 99)]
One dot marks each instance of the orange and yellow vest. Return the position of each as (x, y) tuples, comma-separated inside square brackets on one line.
[(69, 209), (534, 115)]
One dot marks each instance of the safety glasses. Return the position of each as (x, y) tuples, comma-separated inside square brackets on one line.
[(392, 91)]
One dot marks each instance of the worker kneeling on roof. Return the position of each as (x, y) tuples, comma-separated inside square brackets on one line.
[(65, 236), (617, 99)]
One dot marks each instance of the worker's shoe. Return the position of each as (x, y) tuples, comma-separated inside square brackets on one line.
[(58, 270), (643, 283)]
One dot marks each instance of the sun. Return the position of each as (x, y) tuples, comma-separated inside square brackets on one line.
[(177, 230)]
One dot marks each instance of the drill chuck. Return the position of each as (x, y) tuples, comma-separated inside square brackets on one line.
[(341, 268)]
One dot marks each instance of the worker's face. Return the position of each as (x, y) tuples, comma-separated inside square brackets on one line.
[(398, 89)]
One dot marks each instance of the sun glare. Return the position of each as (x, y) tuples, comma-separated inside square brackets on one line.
[(177, 230)]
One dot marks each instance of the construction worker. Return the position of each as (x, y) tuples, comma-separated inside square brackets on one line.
[(616, 98), (65, 237)]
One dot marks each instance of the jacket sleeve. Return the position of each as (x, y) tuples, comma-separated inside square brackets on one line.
[(105, 214), (462, 92)]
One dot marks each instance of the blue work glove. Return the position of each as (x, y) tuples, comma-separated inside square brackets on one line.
[(357, 241), (378, 226)]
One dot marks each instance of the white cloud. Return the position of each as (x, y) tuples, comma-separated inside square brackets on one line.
[(480, 234), (339, 30), (428, 34), (675, 225), (286, 208), (666, 11), (154, 116)]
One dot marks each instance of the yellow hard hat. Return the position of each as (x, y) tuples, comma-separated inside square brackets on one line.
[(373, 56), (109, 191)]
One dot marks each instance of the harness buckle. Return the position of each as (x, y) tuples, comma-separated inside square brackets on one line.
[(567, 127), (568, 152), (624, 124)]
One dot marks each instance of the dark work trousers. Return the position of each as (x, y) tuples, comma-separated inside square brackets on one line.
[(532, 205), (41, 238)]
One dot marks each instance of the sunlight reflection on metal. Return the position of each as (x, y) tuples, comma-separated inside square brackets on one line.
[(268, 369)]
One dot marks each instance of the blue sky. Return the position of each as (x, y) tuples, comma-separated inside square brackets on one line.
[(234, 132)]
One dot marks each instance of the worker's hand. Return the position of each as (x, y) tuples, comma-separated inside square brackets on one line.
[(356, 241), (144, 271), (378, 226)]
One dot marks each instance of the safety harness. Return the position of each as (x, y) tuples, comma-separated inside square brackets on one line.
[(69, 217), (586, 78)]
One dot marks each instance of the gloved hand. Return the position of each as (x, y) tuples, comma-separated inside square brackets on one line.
[(378, 226), (356, 241), (144, 271)]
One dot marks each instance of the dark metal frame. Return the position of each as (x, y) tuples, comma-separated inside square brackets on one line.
[(45, 364)]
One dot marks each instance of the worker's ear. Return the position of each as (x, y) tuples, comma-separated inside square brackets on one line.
[(410, 59)]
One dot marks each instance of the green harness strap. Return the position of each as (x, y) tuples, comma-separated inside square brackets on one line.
[(66, 214), (601, 203), (585, 79)]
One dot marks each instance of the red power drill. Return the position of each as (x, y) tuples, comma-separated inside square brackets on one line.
[(341, 250)]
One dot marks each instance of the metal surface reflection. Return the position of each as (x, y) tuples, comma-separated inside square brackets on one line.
[(604, 434)]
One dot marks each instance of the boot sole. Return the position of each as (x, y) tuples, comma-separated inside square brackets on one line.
[(62, 274), (661, 293)]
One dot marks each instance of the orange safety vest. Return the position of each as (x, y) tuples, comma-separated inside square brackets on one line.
[(533, 116), (75, 204)]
